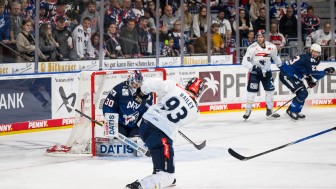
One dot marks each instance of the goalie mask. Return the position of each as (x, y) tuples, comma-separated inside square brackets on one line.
[(135, 80), (135, 77), (195, 86)]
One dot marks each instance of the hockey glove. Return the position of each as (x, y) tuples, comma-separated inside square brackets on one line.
[(139, 96), (310, 81), (329, 70), (256, 70)]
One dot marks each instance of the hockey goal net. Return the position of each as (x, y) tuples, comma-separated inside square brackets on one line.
[(94, 86)]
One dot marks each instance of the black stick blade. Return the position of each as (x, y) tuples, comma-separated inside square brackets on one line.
[(236, 155), (200, 146)]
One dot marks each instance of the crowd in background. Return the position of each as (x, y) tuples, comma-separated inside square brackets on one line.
[(70, 30)]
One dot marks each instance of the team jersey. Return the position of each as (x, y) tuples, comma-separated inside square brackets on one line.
[(301, 66), (120, 100), (319, 37), (175, 107), (82, 42), (256, 55)]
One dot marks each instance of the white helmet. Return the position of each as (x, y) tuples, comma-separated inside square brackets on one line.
[(315, 47)]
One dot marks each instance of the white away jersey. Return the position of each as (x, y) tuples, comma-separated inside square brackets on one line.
[(256, 54), (175, 108)]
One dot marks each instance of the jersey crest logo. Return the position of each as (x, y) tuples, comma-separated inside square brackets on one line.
[(133, 105), (131, 118), (125, 92)]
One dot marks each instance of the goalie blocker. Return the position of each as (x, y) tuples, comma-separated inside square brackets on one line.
[(110, 145)]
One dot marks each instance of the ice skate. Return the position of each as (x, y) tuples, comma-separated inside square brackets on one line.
[(292, 115), (247, 114), (134, 185), (271, 115), (301, 116)]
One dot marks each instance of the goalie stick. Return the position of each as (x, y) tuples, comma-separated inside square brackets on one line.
[(121, 137), (244, 158)]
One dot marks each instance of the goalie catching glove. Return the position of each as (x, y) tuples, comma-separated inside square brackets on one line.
[(310, 81), (139, 96), (329, 70)]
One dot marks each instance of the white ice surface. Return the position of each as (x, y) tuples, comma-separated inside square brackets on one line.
[(309, 164)]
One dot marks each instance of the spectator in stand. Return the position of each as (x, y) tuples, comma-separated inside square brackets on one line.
[(138, 9), (200, 22), (43, 14), (91, 12), (168, 18), (5, 24), (26, 10), (188, 20), (310, 23), (323, 38), (224, 24), (255, 7), (81, 35), (231, 45), (48, 45), (277, 10), (151, 5), (304, 7), (176, 35), (25, 43), (277, 38), (129, 40), (244, 24), (145, 37), (63, 37), (230, 9), (169, 50), (217, 40), (5, 54), (95, 39), (288, 24), (113, 42), (246, 42), (61, 12), (127, 12), (260, 22), (151, 21), (200, 44), (112, 14), (16, 18)]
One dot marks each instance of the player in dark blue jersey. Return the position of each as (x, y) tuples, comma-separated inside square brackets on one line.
[(120, 100), (295, 71)]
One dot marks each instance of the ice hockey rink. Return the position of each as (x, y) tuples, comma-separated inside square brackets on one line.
[(309, 164)]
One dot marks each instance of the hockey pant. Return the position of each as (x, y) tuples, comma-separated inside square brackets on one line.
[(296, 86), (253, 88), (161, 148)]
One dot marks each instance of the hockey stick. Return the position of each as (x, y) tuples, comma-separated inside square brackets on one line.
[(243, 158), (197, 146), (121, 137), (281, 107)]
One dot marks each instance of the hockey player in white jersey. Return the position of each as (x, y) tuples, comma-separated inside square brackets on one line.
[(176, 107), (258, 62)]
